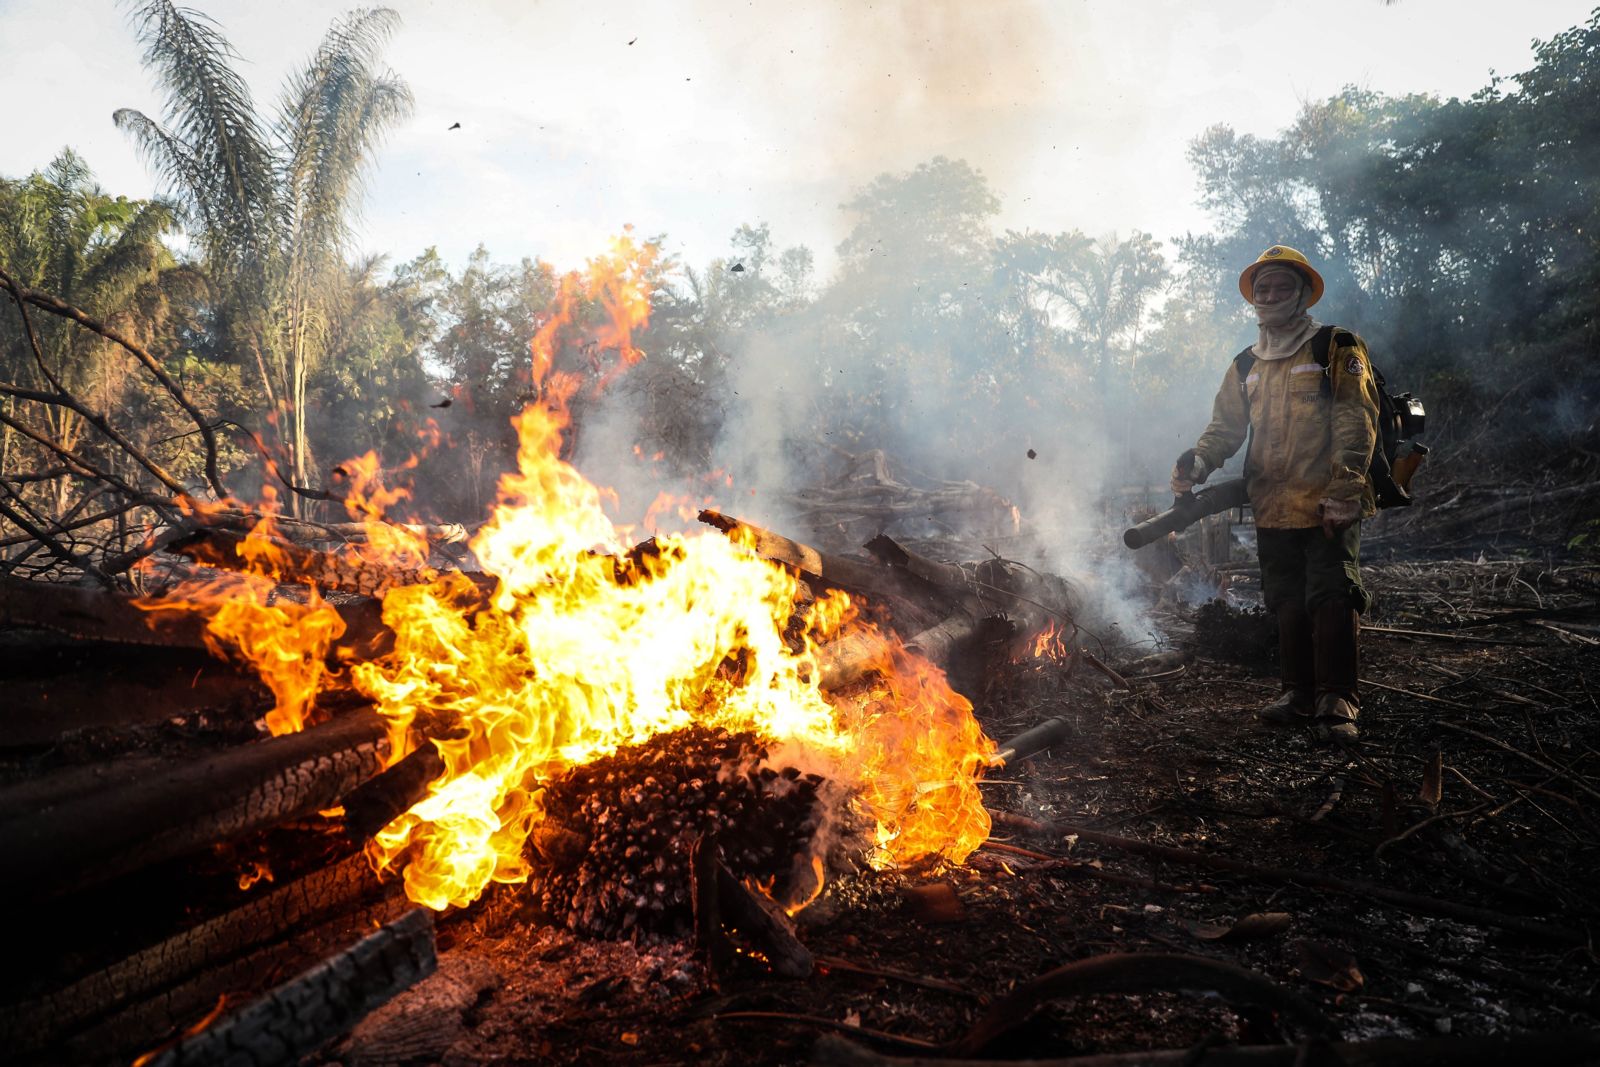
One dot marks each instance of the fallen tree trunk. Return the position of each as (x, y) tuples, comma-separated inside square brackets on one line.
[(43, 1020), (345, 572), (99, 835), (304, 1014), (836, 570)]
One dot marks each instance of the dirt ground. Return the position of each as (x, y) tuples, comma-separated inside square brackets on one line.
[(1497, 688)]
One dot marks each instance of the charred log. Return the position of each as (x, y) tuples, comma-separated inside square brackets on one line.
[(103, 615), (328, 571), (94, 615), (165, 966), (144, 820), (836, 570), (377, 802), (303, 1015)]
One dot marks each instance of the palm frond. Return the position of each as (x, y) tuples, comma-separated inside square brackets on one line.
[(335, 111), (131, 259), (176, 168), (209, 111)]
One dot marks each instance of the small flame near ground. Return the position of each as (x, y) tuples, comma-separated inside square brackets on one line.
[(582, 648)]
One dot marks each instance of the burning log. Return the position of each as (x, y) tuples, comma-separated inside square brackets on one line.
[(143, 820), (328, 571), (835, 570), (377, 802), (104, 615), (722, 900), (302, 1015), (976, 595), (848, 659), (614, 847)]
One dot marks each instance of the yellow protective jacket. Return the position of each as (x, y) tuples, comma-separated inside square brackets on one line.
[(1314, 431)]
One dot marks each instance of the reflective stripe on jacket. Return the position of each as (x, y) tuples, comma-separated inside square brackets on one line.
[(1314, 431)]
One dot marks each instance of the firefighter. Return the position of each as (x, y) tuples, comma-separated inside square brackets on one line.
[(1311, 425)]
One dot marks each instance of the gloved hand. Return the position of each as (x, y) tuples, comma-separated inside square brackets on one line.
[(1189, 471), (1337, 515)]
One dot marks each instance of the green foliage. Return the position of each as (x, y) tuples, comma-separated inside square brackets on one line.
[(269, 202), (62, 233), (1459, 236)]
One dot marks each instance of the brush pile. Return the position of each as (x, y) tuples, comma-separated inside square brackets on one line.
[(1247, 636), (611, 858)]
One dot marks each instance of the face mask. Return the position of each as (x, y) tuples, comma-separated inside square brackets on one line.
[(1286, 301)]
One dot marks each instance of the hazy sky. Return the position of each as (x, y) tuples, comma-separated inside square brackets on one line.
[(690, 118)]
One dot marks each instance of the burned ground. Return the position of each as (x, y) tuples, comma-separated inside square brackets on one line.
[(1178, 760), (1473, 788)]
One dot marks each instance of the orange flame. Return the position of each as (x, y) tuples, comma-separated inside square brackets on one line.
[(258, 872), (1051, 643), (584, 647)]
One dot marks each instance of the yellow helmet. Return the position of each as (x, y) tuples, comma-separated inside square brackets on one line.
[(1281, 254)]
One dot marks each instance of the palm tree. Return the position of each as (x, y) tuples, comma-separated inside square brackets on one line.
[(1106, 285), (60, 232), (269, 202)]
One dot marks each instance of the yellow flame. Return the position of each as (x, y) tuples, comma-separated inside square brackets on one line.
[(583, 647)]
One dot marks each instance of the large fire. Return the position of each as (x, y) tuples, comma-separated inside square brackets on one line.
[(584, 646)]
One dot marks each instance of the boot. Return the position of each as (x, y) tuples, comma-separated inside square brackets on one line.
[(1297, 664), (1336, 626)]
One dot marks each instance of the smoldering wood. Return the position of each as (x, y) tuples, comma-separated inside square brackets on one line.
[(848, 659), (421, 1024), (704, 896), (146, 1024), (106, 615), (836, 570), (285, 911), (962, 601), (377, 802), (328, 571), (327, 1001), (1553, 1049), (142, 821), (764, 925)]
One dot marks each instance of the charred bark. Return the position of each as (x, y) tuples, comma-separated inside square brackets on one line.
[(343, 572), (304, 1014), (165, 966), (835, 570), (142, 821), (377, 802)]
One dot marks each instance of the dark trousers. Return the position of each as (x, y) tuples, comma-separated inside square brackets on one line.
[(1312, 583)]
